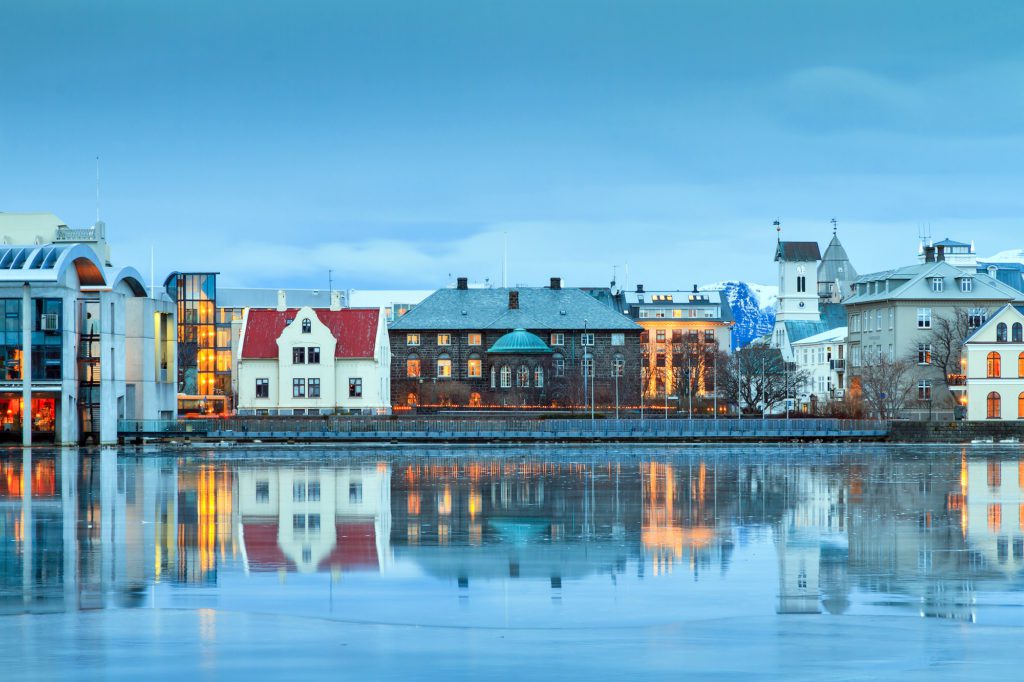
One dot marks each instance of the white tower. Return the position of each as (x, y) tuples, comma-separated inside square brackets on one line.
[(798, 280)]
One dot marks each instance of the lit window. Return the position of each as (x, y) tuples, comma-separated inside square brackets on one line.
[(355, 387), (444, 339), (412, 339), (299, 356), (618, 339), (475, 400), (587, 339), (475, 339), (558, 339), (924, 353), (474, 367), (993, 366), (263, 388), (313, 355), (412, 367), (677, 312), (659, 336), (298, 388), (993, 406), (314, 387), (444, 367)]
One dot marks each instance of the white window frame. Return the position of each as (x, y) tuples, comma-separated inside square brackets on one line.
[(967, 285), (587, 339), (444, 339), (474, 339), (557, 339), (924, 318), (412, 339), (618, 339)]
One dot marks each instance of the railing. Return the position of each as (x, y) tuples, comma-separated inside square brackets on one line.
[(68, 234), (348, 428)]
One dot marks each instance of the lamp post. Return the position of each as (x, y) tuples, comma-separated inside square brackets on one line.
[(583, 363)]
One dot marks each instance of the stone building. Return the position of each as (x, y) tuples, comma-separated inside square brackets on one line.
[(501, 347)]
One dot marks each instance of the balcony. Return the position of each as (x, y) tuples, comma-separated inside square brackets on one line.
[(837, 365)]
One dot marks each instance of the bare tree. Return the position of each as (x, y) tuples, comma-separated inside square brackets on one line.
[(886, 386), (756, 378), (947, 341)]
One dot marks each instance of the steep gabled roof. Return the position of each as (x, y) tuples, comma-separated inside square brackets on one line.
[(354, 328), (913, 283), (796, 252), (835, 264), (539, 308)]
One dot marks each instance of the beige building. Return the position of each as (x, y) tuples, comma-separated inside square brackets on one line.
[(895, 314), (995, 367)]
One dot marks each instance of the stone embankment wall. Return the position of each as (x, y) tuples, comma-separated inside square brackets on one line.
[(954, 432)]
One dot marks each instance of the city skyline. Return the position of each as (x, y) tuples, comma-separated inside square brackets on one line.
[(401, 145)]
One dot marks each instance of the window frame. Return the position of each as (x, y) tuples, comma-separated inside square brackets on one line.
[(474, 339), (298, 355), (444, 339), (299, 387), (313, 387), (264, 384), (355, 387), (307, 326), (412, 339), (313, 355)]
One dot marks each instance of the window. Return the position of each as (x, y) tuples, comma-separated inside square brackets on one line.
[(936, 284), (924, 318), (506, 377), (313, 355), (677, 312), (475, 339), (867, 322), (618, 339), (558, 362), (855, 322), (976, 317), (878, 320), (444, 366), (412, 367), (538, 377), (691, 335), (659, 336), (1001, 332), (855, 356), (444, 339), (924, 389), (1020, 409), (523, 377), (588, 365), (313, 523), (355, 387), (801, 284), (587, 339), (644, 313), (263, 388), (307, 326), (1018, 333), (298, 522), (314, 387), (492, 376), (924, 353), (298, 388), (558, 339), (474, 367), (618, 365), (993, 366), (966, 284), (892, 317), (412, 339), (263, 492), (299, 491), (709, 336), (1020, 366), (993, 406), (355, 492), (313, 491), (299, 356)]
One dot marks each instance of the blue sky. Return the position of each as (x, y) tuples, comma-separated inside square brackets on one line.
[(397, 142)]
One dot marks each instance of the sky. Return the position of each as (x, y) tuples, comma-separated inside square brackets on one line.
[(402, 144)]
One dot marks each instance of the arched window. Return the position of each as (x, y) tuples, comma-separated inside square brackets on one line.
[(410, 400), (618, 364), (474, 367), (307, 326), (1018, 333), (506, 376), (444, 366), (538, 377), (523, 377), (1001, 332), (474, 400), (1020, 366), (993, 366), (994, 406), (1020, 406), (412, 365)]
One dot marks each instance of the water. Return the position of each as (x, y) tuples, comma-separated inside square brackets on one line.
[(576, 562)]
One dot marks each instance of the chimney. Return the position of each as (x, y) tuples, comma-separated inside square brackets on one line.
[(282, 300), (695, 288), (639, 288), (462, 283), (513, 300), (940, 253), (335, 300), (556, 282), (929, 254)]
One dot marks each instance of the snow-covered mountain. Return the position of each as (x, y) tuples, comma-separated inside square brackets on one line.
[(1009, 256), (753, 306)]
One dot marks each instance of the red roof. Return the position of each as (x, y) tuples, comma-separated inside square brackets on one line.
[(355, 547), (354, 328)]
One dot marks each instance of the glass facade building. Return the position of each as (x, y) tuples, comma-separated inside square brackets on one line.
[(204, 344)]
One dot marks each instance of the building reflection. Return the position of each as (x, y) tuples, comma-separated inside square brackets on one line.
[(92, 529)]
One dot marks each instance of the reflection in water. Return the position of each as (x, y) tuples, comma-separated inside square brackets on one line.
[(875, 529)]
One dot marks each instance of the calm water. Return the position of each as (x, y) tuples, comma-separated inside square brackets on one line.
[(224, 548)]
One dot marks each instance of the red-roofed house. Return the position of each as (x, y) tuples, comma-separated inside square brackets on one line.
[(313, 361)]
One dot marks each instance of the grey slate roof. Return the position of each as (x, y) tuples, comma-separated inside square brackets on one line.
[(913, 282), (794, 252), (833, 315), (680, 298), (835, 264), (539, 308)]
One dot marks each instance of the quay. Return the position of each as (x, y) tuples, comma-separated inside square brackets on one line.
[(483, 430)]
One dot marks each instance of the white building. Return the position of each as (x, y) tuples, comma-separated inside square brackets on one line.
[(995, 366), (823, 357), (314, 361), (82, 347)]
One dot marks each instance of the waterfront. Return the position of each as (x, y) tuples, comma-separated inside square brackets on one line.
[(841, 561)]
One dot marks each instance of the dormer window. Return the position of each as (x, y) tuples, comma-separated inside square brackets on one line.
[(307, 326), (936, 284), (966, 284)]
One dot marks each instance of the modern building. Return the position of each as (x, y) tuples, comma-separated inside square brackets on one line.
[(995, 367), (822, 358), (83, 346), (313, 361), (901, 314), (683, 334), (520, 347), (46, 228)]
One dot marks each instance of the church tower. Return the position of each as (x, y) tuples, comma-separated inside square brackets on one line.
[(835, 273), (798, 280)]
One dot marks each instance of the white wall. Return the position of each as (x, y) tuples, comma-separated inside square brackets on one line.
[(1010, 384)]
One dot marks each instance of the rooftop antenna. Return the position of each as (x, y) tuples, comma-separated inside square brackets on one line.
[(504, 261), (834, 225), (330, 283), (97, 189), (615, 269)]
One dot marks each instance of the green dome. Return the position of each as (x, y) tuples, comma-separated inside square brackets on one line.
[(519, 342)]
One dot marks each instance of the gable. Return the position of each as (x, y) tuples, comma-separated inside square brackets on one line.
[(986, 333), (354, 329)]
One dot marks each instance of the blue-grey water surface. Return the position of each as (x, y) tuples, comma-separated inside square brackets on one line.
[(570, 562)]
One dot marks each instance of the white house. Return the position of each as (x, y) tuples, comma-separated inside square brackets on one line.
[(314, 361), (823, 357), (995, 366)]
